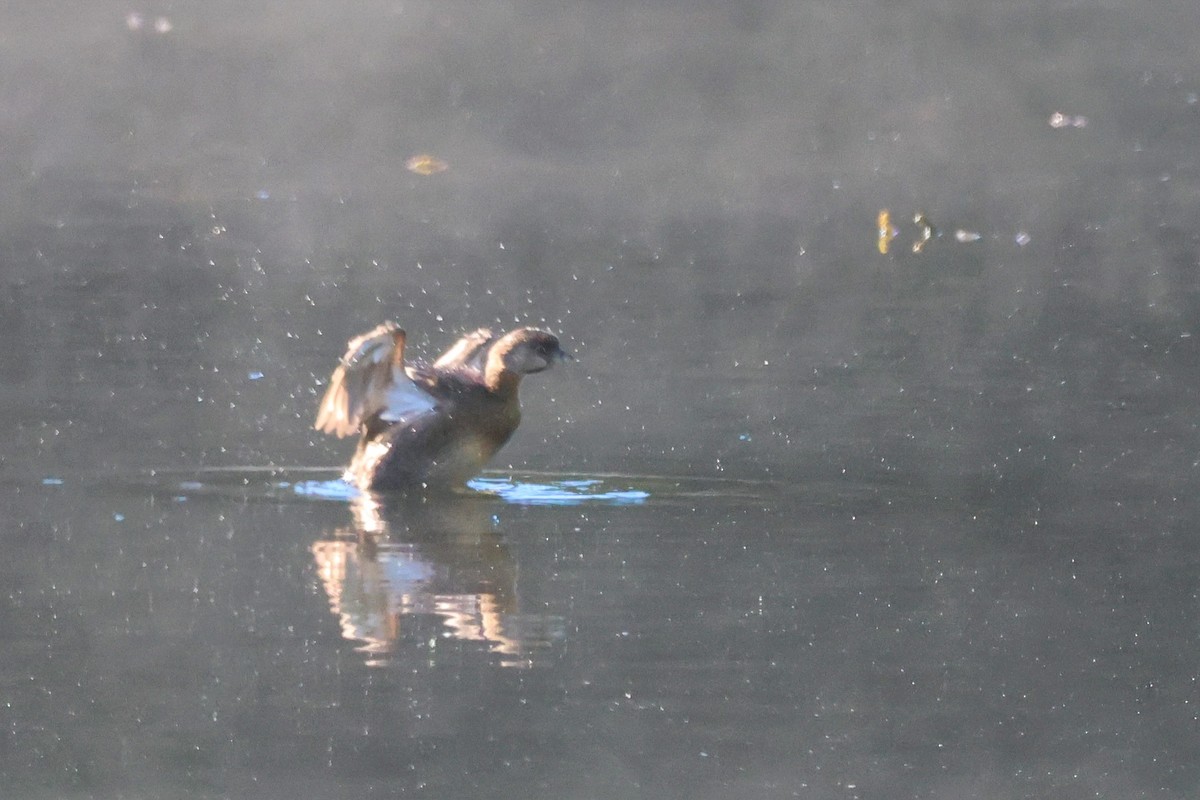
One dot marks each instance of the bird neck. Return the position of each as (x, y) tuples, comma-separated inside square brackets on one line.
[(500, 380)]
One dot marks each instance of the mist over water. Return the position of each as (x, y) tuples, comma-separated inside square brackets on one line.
[(906, 525)]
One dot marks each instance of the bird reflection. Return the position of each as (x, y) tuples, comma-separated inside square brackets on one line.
[(405, 566)]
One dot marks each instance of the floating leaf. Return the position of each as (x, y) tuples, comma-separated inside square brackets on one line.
[(426, 164), (887, 231)]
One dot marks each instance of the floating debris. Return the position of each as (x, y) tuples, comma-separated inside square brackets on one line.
[(921, 220), (137, 22), (426, 164), (887, 231), (925, 232), (1061, 120), (1022, 238)]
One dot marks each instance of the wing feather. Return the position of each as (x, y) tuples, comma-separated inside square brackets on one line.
[(469, 351), (370, 379)]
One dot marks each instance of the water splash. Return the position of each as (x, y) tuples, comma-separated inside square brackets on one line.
[(576, 491), (336, 489), (557, 493)]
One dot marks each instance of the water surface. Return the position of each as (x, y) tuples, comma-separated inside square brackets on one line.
[(803, 520)]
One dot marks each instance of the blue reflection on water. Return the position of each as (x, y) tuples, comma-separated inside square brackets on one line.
[(557, 493), (336, 489)]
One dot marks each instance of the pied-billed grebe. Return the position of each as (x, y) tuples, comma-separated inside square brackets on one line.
[(426, 425)]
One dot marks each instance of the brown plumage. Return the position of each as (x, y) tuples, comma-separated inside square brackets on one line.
[(430, 425)]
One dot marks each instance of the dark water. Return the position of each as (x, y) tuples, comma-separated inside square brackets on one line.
[(804, 520)]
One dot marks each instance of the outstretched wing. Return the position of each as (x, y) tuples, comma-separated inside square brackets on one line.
[(469, 351), (369, 380)]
